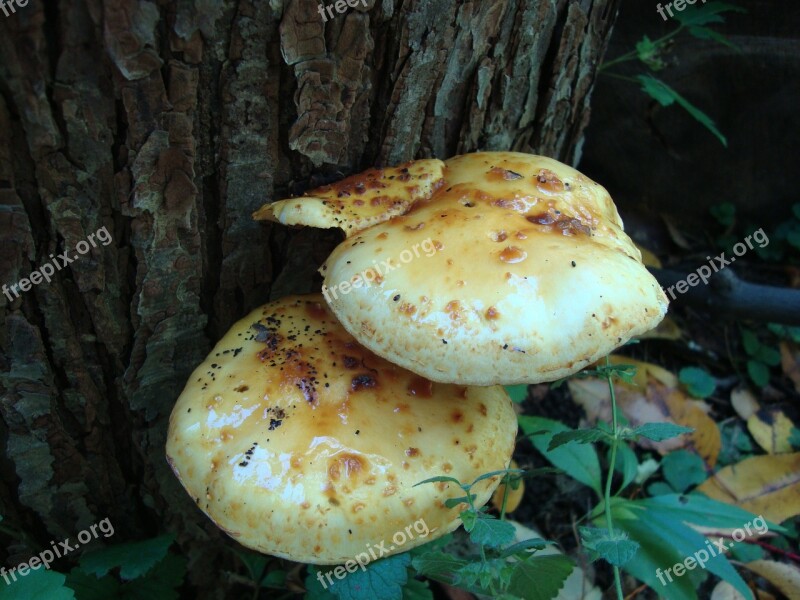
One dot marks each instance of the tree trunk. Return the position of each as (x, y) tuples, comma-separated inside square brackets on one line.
[(168, 123)]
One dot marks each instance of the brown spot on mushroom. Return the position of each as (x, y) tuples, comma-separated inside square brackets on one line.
[(512, 254), (412, 452), (547, 181), (492, 313), (346, 465), (363, 381), (457, 416), (407, 309), (419, 386), (483, 409), (382, 236)]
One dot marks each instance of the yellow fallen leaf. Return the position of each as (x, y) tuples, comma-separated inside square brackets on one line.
[(725, 591), (644, 370), (764, 485), (744, 403), (648, 258), (514, 495), (784, 577), (771, 429), (666, 330), (790, 362)]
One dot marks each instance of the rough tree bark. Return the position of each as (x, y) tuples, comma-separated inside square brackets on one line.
[(168, 123)]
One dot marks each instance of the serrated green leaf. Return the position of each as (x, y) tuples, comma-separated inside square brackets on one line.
[(438, 565), (37, 584), (615, 548), (759, 373), (649, 53), (540, 577), (490, 532), (491, 474), (579, 461), (169, 572), (255, 563), (581, 436), (683, 469), (704, 33), (89, 587), (703, 14), (483, 576), (383, 579), (699, 382), (134, 559), (665, 95), (517, 393)]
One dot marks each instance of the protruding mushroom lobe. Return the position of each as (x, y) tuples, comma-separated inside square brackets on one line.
[(517, 270), (361, 200), (301, 443)]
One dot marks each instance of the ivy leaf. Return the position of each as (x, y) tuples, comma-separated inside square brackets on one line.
[(540, 577), (699, 382), (706, 13), (383, 579), (490, 532), (658, 432), (134, 559), (582, 436), (665, 95), (39, 583)]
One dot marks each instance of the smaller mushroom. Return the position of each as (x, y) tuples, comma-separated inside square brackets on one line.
[(301, 443)]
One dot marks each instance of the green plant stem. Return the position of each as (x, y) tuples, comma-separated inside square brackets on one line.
[(611, 467), (633, 54), (505, 496)]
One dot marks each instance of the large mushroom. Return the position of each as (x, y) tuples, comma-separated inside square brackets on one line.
[(301, 443), (527, 274)]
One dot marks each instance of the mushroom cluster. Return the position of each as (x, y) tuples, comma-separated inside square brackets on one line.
[(303, 433)]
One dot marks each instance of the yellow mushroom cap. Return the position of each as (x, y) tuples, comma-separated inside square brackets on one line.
[(517, 270), (299, 442)]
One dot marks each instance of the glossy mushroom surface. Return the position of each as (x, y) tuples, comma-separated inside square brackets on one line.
[(301, 443), (517, 270)]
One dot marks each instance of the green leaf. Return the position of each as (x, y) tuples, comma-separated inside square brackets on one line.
[(659, 432), (134, 559), (522, 549), (659, 488), (518, 393), (438, 565), (417, 590), (699, 382), (316, 584), (275, 580), (615, 549), (666, 96), (168, 573), (769, 356), (704, 33), (89, 587), (649, 54), (383, 579), (488, 531), (482, 576), (579, 461), (703, 14), (439, 478), (36, 585), (759, 373), (626, 463), (582, 436), (785, 331), (255, 563), (750, 342), (453, 502), (697, 509), (540, 577), (683, 469), (724, 212)]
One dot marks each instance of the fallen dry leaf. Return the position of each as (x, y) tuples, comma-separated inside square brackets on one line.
[(771, 429), (744, 403), (648, 258), (790, 362), (666, 330), (784, 577), (764, 485), (653, 397), (725, 591)]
